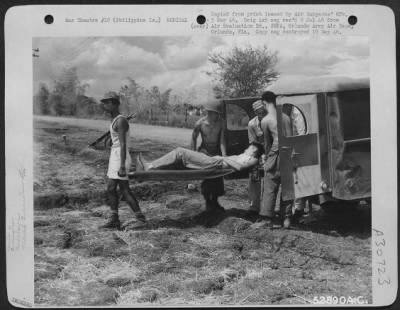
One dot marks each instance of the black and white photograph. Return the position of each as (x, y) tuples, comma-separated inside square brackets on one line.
[(201, 171), (200, 156)]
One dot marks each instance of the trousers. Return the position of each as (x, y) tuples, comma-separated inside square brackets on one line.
[(212, 188), (271, 187), (181, 157), (255, 189)]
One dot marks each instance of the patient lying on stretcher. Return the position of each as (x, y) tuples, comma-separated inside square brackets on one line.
[(181, 158)]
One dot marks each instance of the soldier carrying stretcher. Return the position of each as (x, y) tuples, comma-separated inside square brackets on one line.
[(212, 131), (119, 162)]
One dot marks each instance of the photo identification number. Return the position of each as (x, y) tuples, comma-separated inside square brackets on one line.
[(379, 249)]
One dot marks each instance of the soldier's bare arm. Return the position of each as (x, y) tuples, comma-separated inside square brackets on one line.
[(273, 128), (222, 140), (195, 135), (252, 162), (265, 126), (250, 133), (238, 166), (232, 164)]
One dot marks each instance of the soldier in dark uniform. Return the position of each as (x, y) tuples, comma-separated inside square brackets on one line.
[(212, 131)]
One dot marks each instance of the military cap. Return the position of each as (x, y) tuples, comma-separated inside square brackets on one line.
[(258, 105)]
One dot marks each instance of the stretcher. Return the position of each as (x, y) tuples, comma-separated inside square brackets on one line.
[(179, 175)]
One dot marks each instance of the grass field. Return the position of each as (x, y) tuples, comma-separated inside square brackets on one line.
[(175, 136), (182, 256)]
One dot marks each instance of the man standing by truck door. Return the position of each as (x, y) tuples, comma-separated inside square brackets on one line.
[(212, 131), (272, 178), (256, 134)]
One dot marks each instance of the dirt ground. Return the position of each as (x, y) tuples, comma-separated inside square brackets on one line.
[(182, 256)]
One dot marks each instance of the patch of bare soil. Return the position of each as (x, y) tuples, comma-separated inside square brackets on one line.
[(182, 255)]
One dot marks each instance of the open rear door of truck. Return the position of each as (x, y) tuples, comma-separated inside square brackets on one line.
[(299, 147)]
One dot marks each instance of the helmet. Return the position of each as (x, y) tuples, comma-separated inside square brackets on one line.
[(111, 95), (215, 106)]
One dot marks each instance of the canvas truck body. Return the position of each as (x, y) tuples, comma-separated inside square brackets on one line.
[(328, 149)]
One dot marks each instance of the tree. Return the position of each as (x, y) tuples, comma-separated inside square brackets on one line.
[(89, 106), (41, 100), (56, 104), (164, 100), (131, 93), (68, 90), (160, 99), (243, 71), (155, 95)]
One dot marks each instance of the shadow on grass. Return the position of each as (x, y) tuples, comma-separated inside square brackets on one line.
[(355, 222), (352, 221), (207, 219)]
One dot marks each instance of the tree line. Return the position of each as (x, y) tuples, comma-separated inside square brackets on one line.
[(241, 72), (68, 97)]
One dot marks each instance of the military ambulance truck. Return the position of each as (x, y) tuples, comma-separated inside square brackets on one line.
[(328, 153)]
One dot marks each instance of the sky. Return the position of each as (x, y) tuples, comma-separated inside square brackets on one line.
[(180, 63)]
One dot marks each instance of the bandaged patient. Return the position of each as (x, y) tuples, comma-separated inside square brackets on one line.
[(181, 158)]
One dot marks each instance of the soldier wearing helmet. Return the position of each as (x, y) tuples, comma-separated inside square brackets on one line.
[(211, 128)]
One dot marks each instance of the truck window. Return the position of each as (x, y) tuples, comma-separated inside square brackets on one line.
[(294, 123), (236, 117)]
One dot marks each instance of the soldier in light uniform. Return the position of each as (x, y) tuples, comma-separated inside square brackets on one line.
[(211, 128), (256, 134), (119, 162)]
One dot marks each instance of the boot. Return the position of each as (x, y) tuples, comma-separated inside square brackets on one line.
[(140, 217), (209, 206), (262, 222), (277, 222), (212, 205), (297, 215), (287, 222), (217, 206), (138, 222), (113, 222)]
